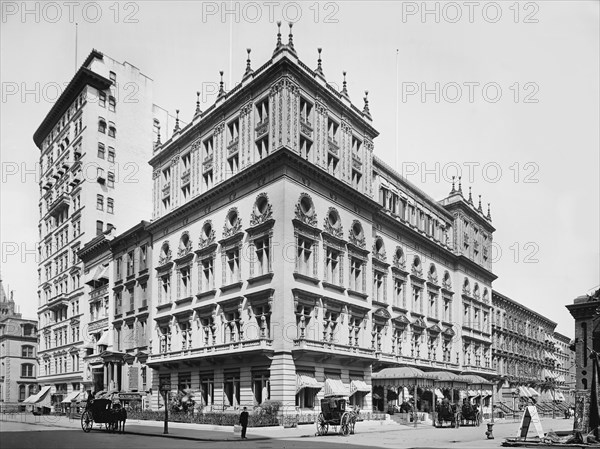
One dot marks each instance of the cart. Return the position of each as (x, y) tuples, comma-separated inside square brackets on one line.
[(334, 413), (470, 415), (103, 411), (447, 413)]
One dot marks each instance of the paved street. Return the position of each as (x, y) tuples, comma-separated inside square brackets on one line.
[(26, 431)]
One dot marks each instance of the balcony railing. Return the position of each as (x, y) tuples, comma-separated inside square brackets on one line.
[(207, 164), (185, 177), (306, 127), (327, 346), (98, 324), (232, 147), (333, 146), (99, 292), (262, 127), (212, 350)]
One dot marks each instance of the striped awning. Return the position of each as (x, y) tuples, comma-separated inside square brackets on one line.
[(359, 385), (335, 387), (405, 376), (306, 380), (70, 397), (40, 396), (532, 392), (559, 396), (524, 392)]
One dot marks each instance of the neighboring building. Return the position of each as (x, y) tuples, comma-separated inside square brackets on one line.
[(94, 146), (565, 367), (290, 262), (524, 349), (117, 270), (586, 312), (18, 352)]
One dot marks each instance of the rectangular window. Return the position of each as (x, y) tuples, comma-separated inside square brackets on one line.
[(113, 77), (378, 286), (111, 154), (332, 266), (101, 150), (233, 265), (208, 282), (99, 202), (111, 179), (417, 299), (130, 263), (143, 257), (356, 281), (263, 256), (185, 282), (131, 294), (112, 104), (99, 227), (119, 268), (305, 256), (102, 99), (433, 305), (110, 206), (399, 296), (118, 303), (165, 286)]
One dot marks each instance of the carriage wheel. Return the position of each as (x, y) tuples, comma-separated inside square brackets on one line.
[(345, 424), (322, 426), (87, 422)]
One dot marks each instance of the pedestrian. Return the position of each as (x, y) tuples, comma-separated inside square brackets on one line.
[(244, 422)]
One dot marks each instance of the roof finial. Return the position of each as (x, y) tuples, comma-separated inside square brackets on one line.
[(221, 89), (176, 129), (278, 46), (319, 69), (366, 107), (198, 110), (460, 185), (344, 89), (479, 206), (291, 37), (489, 215), (248, 68), (470, 197), (453, 189)]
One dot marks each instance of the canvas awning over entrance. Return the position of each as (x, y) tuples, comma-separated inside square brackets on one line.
[(405, 376), (449, 380), (335, 387), (559, 396), (476, 382), (359, 385), (305, 380), (524, 392), (532, 392), (39, 397), (104, 339), (70, 397)]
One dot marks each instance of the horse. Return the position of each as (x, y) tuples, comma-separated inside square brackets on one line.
[(120, 414)]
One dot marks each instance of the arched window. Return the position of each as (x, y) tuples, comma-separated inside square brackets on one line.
[(112, 130), (101, 125)]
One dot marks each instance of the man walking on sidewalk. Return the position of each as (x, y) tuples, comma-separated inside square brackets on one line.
[(244, 423)]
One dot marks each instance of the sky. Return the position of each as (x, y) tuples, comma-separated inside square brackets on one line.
[(505, 94)]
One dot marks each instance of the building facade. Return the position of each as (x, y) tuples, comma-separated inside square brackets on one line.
[(524, 348), (94, 146), (565, 366), (585, 309), (289, 262), (18, 352)]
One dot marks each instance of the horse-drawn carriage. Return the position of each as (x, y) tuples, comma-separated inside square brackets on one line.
[(470, 415), (447, 413), (103, 411), (334, 413)]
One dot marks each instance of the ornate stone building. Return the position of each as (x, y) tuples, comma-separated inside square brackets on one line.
[(289, 262), (18, 351)]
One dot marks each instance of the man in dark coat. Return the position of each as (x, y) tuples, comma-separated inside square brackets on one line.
[(244, 422)]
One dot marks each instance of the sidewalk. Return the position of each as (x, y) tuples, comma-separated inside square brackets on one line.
[(198, 432), (364, 430)]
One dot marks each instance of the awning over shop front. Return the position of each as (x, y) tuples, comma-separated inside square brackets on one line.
[(104, 339), (100, 274), (306, 380), (405, 376), (476, 382), (439, 393), (533, 392), (40, 396), (335, 387), (559, 396), (359, 385), (70, 397), (447, 379), (524, 392)]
